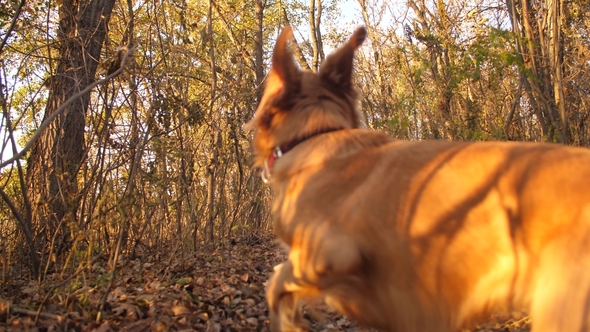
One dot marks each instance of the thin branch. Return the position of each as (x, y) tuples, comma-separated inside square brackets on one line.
[(26, 221), (19, 10), (232, 36), (26, 231), (8, 308), (515, 104), (57, 112), (39, 314)]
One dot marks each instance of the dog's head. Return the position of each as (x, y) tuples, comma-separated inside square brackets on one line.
[(299, 103)]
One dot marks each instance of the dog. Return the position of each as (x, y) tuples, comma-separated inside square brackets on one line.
[(414, 235)]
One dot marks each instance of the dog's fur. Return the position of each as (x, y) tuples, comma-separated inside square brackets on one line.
[(416, 236)]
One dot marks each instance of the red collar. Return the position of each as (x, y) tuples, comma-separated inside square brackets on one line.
[(282, 149)]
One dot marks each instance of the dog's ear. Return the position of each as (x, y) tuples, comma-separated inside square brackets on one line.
[(337, 69), (284, 73), (282, 82)]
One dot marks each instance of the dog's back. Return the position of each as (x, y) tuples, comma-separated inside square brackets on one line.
[(447, 232), (416, 236)]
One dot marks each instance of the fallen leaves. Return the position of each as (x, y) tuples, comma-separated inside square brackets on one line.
[(218, 289)]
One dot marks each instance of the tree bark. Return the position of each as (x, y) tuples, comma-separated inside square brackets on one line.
[(315, 15), (256, 209), (542, 56), (214, 134), (295, 47), (57, 156)]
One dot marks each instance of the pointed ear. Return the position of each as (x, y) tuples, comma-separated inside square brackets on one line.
[(283, 62), (284, 77), (337, 69), (282, 81)]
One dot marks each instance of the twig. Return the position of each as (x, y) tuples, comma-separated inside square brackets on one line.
[(26, 221), (517, 323), (57, 112), (38, 314), (9, 308), (33, 313), (19, 10)]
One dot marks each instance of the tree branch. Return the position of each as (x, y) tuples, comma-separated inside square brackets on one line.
[(12, 24), (62, 108)]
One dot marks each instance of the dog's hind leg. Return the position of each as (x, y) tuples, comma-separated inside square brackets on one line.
[(283, 295), (561, 301), (321, 261), (288, 316)]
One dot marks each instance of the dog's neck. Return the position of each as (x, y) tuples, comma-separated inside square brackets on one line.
[(280, 150)]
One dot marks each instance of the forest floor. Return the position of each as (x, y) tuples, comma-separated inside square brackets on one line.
[(219, 288)]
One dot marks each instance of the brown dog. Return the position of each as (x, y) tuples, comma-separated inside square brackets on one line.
[(415, 236)]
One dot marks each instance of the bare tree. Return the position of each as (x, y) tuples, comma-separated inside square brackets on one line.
[(315, 21), (57, 156), (537, 27)]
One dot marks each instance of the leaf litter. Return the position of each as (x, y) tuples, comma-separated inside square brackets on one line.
[(217, 289)]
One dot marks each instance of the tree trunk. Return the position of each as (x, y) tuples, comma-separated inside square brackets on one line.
[(256, 207), (556, 49), (542, 56), (214, 134), (57, 156), (315, 20), (433, 32)]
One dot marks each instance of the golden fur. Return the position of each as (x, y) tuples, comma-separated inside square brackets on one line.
[(416, 236)]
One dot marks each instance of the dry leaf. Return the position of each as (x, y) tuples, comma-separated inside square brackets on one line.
[(178, 310)]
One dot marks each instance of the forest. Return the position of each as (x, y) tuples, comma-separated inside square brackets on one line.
[(128, 196)]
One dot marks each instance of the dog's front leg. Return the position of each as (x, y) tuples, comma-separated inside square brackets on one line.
[(283, 294)]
